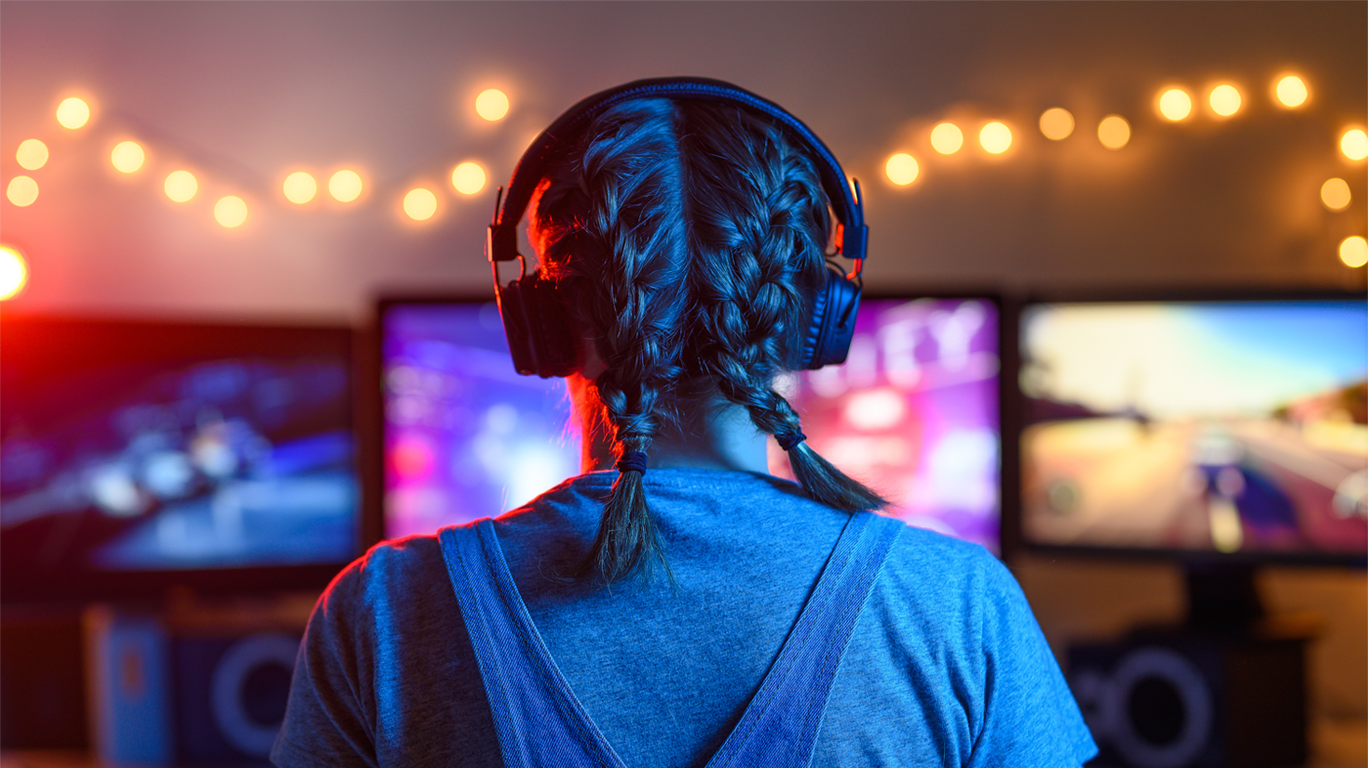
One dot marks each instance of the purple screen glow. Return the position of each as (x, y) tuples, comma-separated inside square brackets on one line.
[(913, 412)]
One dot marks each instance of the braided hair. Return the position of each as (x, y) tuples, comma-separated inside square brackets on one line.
[(690, 239)]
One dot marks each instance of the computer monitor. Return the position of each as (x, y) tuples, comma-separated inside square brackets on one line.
[(913, 411), (1230, 430), (135, 456), (1223, 432)]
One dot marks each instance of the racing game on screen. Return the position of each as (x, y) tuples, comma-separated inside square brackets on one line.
[(913, 412), (1223, 426)]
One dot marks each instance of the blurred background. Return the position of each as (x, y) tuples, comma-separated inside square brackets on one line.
[(245, 290)]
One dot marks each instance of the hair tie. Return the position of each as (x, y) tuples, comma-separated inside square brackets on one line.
[(791, 440), (632, 461)]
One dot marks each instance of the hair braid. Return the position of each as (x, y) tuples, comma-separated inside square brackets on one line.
[(614, 227), (691, 236), (760, 224)]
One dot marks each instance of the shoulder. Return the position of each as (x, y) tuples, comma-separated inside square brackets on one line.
[(921, 555), (946, 585), (391, 575), (400, 556)]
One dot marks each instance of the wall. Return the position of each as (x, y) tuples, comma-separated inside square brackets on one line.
[(244, 93)]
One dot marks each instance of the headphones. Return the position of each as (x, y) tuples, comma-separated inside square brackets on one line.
[(534, 316)]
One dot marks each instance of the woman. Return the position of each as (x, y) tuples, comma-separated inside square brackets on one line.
[(675, 605)]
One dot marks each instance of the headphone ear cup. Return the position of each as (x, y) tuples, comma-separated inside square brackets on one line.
[(540, 337), (513, 312), (558, 344), (827, 341)]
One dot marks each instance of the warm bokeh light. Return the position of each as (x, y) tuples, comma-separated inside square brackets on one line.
[(22, 191), (1354, 144), (73, 113), (492, 105), (1056, 123), (32, 154), (230, 211), (947, 138), (1114, 132), (1354, 251), (1335, 194), (13, 272), (300, 187), (1175, 104), (995, 138), (1225, 100), (180, 186), (902, 169), (468, 178), (1291, 91), (420, 204), (127, 156), (345, 186)]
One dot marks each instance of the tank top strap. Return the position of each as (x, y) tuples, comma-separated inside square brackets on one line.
[(779, 726), (539, 721)]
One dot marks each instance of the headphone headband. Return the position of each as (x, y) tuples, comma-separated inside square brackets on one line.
[(847, 202)]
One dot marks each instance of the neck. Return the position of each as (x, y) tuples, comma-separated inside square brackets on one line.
[(712, 434)]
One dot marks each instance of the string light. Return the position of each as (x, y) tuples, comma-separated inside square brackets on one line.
[(995, 138), (22, 191), (1114, 132), (491, 105), (180, 186), (902, 169), (1175, 104), (1354, 144), (1335, 194), (1354, 251), (73, 113), (230, 211), (345, 186), (947, 138), (32, 154), (13, 272), (1225, 100), (1056, 123), (127, 156), (420, 204), (1291, 91), (468, 178), (300, 187)]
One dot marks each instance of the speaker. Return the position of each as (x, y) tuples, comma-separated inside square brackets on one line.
[(230, 694), (186, 696), (1185, 700)]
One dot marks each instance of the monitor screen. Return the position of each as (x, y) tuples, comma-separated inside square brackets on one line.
[(139, 447), (1211, 427), (913, 412)]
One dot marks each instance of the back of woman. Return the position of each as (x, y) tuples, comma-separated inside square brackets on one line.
[(676, 605)]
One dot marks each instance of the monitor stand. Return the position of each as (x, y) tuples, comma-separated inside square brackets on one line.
[(1222, 598)]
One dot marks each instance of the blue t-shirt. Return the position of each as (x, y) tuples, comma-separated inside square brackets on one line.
[(946, 665)]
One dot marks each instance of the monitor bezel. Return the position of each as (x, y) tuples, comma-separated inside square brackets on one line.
[(1014, 540), (153, 586), (375, 401)]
